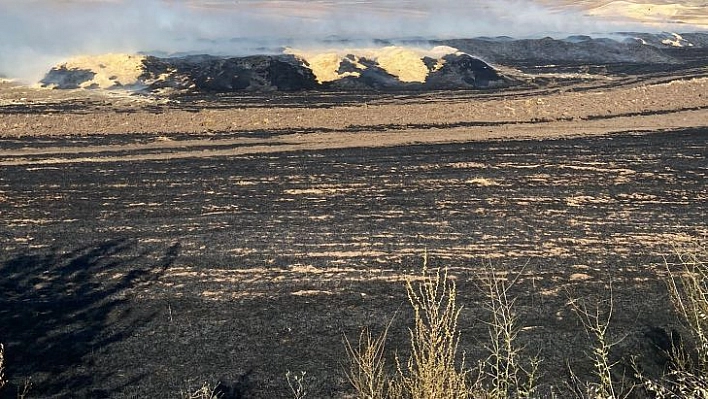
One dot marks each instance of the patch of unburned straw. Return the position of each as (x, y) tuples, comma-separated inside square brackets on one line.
[(482, 181)]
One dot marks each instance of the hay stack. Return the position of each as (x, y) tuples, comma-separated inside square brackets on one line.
[(100, 72)]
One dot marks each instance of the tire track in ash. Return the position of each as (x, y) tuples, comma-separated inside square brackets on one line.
[(112, 148)]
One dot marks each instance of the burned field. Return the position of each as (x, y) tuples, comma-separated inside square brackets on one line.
[(152, 242), (143, 277)]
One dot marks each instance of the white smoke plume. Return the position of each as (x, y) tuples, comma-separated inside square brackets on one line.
[(36, 34)]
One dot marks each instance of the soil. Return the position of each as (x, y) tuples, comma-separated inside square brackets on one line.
[(152, 244)]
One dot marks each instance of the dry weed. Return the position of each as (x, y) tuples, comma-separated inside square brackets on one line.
[(435, 369), (205, 392), (432, 369), (688, 289), (506, 373), (367, 372), (297, 384), (2, 366), (596, 319)]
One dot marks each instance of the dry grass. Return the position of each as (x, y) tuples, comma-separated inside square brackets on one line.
[(21, 392), (296, 382), (435, 369), (689, 294)]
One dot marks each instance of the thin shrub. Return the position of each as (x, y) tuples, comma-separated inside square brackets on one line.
[(596, 318), (508, 371), (434, 369), (206, 391), (297, 385), (367, 366), (2, 366)]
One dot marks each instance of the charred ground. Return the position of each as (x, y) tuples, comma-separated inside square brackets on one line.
[(141, 278)]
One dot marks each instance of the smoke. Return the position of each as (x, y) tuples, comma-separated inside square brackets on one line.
[(36, 34)]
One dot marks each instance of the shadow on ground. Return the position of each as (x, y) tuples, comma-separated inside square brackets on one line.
[(59, 307)]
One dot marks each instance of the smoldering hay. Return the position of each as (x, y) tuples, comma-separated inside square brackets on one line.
[(382, 68), (431, 65), (98, 72)]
